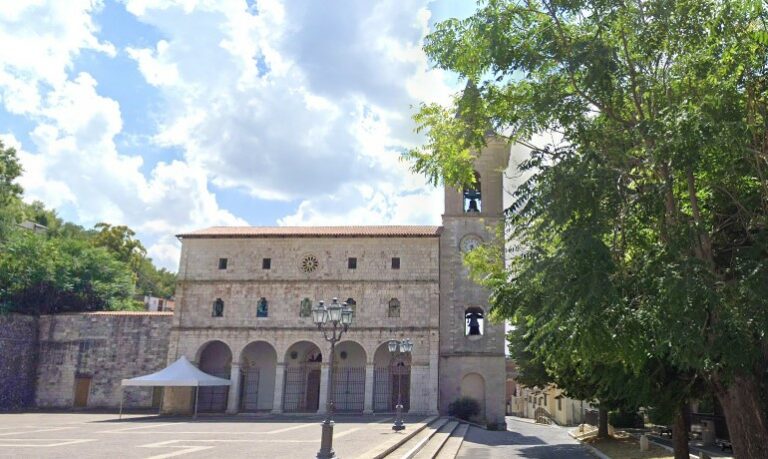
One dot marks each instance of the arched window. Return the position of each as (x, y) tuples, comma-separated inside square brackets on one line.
[(394, 307), (352, 305), (218, 308), (262, 308), (305, 308), (474, 322), (473, 196)]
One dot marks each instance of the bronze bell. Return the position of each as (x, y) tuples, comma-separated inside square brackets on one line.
[(473, 206)]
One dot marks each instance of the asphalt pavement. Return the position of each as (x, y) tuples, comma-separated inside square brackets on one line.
[(522, 440)]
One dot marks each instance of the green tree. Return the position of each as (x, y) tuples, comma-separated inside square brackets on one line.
[(645, 231), (10, 190), (44, 275)]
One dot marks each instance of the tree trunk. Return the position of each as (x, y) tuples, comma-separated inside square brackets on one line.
[(745, 417), (602, 423), (680, 434)]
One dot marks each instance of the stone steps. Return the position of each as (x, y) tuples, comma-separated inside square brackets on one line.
[(451, 447), (431, 448), (441, 438)]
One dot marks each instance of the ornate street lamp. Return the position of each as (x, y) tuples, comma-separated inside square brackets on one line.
[(338, 316), (397, 348)]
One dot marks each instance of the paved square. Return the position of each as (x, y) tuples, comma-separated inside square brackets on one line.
[(90, 435)]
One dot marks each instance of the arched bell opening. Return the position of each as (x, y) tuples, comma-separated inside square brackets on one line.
[(391, 380), (301, 393), (257, 377), (216, 360)]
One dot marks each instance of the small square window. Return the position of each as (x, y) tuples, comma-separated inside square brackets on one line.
[(266, 263), (352, 263), (395, 262), (222, 263)]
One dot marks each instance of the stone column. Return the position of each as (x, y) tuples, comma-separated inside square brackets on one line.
[(368, 404), (420, 391), (432, 388), (277, 402), (323, 388), (233, 400)]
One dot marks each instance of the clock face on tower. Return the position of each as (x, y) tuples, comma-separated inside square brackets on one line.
[(470, 242)]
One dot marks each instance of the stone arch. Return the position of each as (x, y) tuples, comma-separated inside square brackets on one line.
[(349, 377), (301, 391), (473, 386), (258, 362), (214, 358), (391, 379)]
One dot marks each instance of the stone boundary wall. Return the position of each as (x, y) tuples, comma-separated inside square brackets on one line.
[(18, 360), (105, 347)]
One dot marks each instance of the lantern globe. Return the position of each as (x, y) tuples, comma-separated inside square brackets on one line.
[(392, 346), (334, 311), (346, 315), (319, 314)]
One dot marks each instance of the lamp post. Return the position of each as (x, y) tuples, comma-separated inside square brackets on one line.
[(397, 348), (337, 317)]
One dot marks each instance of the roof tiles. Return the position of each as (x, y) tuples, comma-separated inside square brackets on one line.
[(313, 231)]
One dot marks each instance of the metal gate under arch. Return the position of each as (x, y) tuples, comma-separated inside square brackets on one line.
[(386, 382), (213, 399), (349, 389), (301, 392), (249, 389)]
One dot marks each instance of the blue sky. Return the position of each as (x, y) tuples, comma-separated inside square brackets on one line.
[(170, 115)]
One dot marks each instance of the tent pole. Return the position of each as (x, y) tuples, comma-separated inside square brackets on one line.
[(121, 404), (197, 392)]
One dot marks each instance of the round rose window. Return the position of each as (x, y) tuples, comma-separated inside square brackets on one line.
[(309, 263)]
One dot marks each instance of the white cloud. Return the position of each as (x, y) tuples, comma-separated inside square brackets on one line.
[(286, 100), (296, 100)]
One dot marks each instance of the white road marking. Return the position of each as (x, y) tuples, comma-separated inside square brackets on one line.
[(287, 429), (36, 431), (60, 442), (346, 432), (142, 427), (168, 444)]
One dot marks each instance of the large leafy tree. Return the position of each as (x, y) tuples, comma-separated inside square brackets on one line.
[(645, 231), (42, 275), (10, 190)]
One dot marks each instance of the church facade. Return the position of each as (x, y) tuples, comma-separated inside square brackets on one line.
[(244, 299)]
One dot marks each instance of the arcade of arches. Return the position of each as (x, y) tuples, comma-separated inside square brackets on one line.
[(298, 382)]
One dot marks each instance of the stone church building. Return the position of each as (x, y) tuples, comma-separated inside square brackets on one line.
[(244, 298)]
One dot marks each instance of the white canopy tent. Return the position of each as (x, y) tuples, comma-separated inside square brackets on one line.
[(179, 373)]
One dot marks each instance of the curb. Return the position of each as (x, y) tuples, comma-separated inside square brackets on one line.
[(402, 441), (589, 447)]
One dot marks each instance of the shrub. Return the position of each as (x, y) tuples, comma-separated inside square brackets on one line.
[(625, 419), (464, 408)]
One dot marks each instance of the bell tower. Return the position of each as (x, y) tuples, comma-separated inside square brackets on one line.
[(471, 348)]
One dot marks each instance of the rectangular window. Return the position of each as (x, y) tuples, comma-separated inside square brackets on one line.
[(545, 400), (222, 263), (559, 404), (266, 263), (395, 262), (352, 263)]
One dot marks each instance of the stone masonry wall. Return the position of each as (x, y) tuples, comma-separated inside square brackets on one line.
[(18, 351), (105, 346)]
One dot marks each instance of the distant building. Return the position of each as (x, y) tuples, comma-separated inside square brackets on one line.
[(549, 402), (34, 227), (155, 304)]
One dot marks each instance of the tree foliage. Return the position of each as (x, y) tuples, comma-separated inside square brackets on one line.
[(644, 232)]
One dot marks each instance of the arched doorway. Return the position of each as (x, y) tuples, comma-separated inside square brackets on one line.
[(391, 380), (215, 359), (301, 393), (349, 377), (257, 377), (473, 386)]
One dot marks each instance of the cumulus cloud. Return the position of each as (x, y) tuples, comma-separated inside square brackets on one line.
[(304, 102), (72, 161), (296, 100)]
